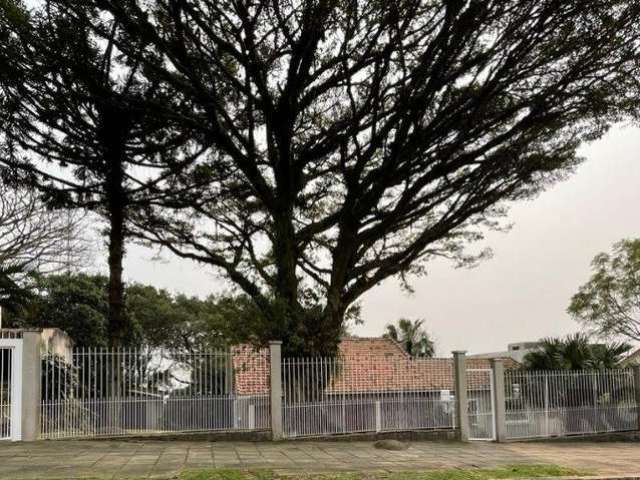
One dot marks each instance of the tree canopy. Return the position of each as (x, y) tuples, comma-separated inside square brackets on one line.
[(75, 303), (412, 336), (187, 323), (78, 304), (608, 304), (352, 141)]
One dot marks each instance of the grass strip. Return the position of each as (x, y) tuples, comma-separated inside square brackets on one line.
[(516, 471)]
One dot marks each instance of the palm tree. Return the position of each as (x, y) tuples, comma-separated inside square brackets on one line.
[(608, 356), (413, 338), (575, 352)]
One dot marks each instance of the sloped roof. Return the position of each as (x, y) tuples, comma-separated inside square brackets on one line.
[(369, 365), (373, 346)]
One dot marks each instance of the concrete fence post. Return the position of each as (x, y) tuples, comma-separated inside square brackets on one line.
[(460, 376), (500, 413), (252, 417), (236, 413), (275, 350), (636, 385), (31, 385)]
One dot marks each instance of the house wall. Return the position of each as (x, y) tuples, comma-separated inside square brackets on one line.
[(251, 370)]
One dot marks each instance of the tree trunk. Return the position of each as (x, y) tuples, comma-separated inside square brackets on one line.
[(305, 330), (287, 315), (312, 331), (118, 325), (114, 131), (324, 329), (119, 331), (330, 332)]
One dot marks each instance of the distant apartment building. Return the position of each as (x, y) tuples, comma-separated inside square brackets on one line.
[(515, 351), (632, 360)]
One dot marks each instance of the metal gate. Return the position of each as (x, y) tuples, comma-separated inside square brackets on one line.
[(10, 388), (480, 404), (543, 404)]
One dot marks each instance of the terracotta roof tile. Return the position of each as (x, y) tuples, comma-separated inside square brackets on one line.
[(367, 365), (379, 346)]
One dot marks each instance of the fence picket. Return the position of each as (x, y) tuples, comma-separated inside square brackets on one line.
[(98, 392), (325, 396), (559, 403), (113, 392)]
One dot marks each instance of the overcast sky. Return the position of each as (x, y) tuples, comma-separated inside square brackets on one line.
[(519, 294)]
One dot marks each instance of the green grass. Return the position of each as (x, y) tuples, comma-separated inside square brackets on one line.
[(516, 471), (227, 474), (499, 473)]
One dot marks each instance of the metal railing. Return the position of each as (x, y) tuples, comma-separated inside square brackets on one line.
[(94, 392), (480, 404), (10, 333), (99, 392), (559, 403), (5, 393), (324, 396)]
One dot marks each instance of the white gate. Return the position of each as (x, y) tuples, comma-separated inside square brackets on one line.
[(480, 404), (559, 403), (10, 388)]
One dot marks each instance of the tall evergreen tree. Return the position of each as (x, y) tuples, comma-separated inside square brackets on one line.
[(80, 123)]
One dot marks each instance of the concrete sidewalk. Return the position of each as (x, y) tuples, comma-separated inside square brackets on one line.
[(120, 459)]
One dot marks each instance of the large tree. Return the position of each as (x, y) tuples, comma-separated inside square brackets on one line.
[(353, 141), (74, 126), (609, 303)]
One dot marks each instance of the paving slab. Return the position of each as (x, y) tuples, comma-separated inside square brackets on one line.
[(154, 459)]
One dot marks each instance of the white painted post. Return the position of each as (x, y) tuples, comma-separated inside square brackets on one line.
[(460, 375), (252, 417), (500, 414), (15, 348), (275, 349), (31, 385), (378, 416), (546, 404), (636, 385), (235, 414)]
